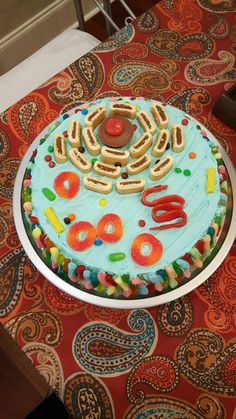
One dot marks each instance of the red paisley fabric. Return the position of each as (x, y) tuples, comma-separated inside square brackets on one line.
[(175, 360)]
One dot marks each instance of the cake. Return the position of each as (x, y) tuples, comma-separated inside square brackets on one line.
[(125, 197)]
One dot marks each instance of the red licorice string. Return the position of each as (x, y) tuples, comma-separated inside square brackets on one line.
[(166, 208), (170, 198), (149, 191), (170, 206), (169, 216)]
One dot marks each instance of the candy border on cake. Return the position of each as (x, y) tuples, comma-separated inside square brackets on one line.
[(106, 284)]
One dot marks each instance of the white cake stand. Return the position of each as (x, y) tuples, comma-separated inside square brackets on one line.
[(210, 265)]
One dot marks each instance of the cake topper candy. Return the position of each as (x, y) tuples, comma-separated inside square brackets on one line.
[(115, 131)]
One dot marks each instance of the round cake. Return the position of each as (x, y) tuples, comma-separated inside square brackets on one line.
[(125, 197)]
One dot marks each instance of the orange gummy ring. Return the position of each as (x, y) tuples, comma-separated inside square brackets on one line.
[(67, 184), (77, 243), (153, 256), (117, 228)]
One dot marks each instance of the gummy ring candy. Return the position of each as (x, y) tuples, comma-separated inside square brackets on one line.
[(103, 225), (81, 243), (154, 254), (67, 184)]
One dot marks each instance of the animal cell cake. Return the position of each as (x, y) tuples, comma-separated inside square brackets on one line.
[(125, 197)]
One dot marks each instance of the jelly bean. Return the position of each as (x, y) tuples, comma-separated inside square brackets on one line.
[(27, 183), (52, 164), (111, 290), (50, 148), (183, 264), (93, 161), (143, 290), (177, 268), (224, 186), (162, 273), (187, 172), (47, 158), (94, 279), (98, 242), (141, 223), (115, 257), (84, 111), (67, 220), (159, 287), (211, 231), (178, 170), (27, 198), (27, 206), (71, 217), (49, 194), (192, 155), (87, 274), (173, 283)]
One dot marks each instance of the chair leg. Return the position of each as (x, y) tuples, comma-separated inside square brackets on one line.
[(107, 8), (80, 14)]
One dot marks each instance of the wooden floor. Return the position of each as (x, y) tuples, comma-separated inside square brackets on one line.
[(96, 26)]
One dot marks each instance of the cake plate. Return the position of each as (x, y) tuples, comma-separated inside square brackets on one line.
[(216, 257)]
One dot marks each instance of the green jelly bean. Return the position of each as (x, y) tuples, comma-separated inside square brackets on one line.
[(115, 257), (218, 220), (42, 140), (178, 170), (49, 194), (93, 161), (177, 268), (27, 198), (50, 148), (126, 278), (60, 260)]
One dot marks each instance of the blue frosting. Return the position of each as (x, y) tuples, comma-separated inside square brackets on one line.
[(200, 206)]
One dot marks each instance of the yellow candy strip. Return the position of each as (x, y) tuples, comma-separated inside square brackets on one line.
[(50, 214), (210, 180)]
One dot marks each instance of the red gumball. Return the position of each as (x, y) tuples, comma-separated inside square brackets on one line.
[(114, 126)]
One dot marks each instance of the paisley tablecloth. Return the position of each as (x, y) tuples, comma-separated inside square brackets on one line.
[(175, 360)]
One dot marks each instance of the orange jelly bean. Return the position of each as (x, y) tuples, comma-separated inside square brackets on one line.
[(116, 232), (153, 256), (74, 239), (67, 184)]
